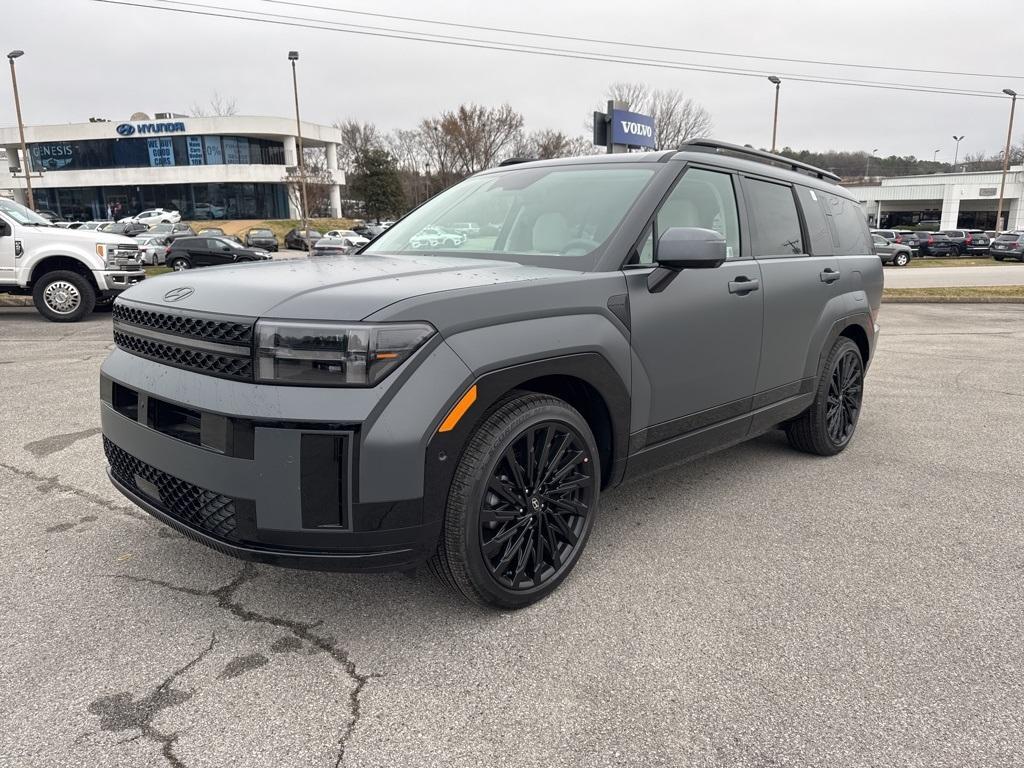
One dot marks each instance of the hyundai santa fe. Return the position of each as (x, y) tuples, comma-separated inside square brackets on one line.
[(466, 405)]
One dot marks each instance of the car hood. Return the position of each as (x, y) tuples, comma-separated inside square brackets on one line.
[(82, 236), (328, 287)]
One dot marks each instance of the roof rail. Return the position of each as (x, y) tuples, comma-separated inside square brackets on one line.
[(710, 145), (516, 161)]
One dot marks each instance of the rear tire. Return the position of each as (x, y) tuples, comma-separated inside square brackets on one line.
[(519, 512), (179, 264), (998, 258), (901, 260), (63, 296), (827, 427)]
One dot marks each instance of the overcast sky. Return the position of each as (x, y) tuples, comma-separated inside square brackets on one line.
[(87, 59)]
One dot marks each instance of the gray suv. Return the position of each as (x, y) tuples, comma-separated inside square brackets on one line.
[(466, 405)]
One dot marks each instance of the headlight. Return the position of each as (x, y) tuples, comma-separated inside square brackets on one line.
[(333, 355), (107, 252)]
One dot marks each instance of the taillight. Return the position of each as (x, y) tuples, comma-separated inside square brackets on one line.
[(899, 238), (930, 239), (969, 239)]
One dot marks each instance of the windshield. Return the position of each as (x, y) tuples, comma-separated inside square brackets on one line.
[(541, 215), (22, 215), (260, 232)]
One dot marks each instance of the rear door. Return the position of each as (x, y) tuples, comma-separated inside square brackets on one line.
[(218, 252), (793, 244)]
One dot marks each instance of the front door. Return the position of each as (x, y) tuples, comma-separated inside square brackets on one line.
[(6, 251), (698, 341)]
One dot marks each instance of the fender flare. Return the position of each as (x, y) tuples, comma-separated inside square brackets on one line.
[(445, 448)]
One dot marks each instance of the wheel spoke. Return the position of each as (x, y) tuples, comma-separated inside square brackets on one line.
[(504, 491), (517, 470), (564, 529)]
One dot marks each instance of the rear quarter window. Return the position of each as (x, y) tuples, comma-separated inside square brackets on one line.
[(818, 233), (849, 225)]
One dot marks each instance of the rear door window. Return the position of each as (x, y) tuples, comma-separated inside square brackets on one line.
[(776, 229)]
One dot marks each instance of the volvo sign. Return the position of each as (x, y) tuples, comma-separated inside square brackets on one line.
[(632, 129), (148, 129)]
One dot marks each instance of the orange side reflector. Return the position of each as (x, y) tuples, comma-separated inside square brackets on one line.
[(458, 410)]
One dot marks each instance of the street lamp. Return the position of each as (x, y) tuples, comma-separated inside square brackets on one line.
[(867, 165), (1006, 159), (21, 131), (775, 117), (935, 154), (956, 152), (293, 56)]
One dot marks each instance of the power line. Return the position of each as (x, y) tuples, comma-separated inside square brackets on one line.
[(534, 50), (649, 46)]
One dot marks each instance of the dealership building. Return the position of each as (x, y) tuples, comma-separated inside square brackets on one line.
[(206, 167), (954, 200)]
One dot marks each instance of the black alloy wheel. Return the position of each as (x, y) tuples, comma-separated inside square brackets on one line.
[(827, 426), (845, 392), (534, 509), (522, 502)]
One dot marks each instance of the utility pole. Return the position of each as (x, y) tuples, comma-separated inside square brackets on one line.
[(21, 131), (775, 117), (293, 56), (1006, 159), (867, 165)]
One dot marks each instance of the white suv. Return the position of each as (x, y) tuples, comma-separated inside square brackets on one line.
[(68, 272), (153, 216)]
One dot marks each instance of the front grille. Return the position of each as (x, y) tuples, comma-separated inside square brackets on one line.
[(196, 507), (212, 363), (234, 331), (216, 345)]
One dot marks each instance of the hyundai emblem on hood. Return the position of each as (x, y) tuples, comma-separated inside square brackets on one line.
[(177, 294)]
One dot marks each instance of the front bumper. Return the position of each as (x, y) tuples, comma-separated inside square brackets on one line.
[(118, 280), (297, 476)]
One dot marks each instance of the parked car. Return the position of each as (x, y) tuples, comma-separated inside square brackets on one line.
[(209, 211), (154, 216), (967, 241), (50, 216), (467, 228), (351, 234), (912, 240), (337, 245), (935, 244), (210, 232), (1008, 246), (127, 228), (261, 238), (67, 273), (152, 249), (891, 235), (172, 231), (190, 252), (895, 253), (91, 225), (301, 240), (369, 231), (419, 409), (436, 237)]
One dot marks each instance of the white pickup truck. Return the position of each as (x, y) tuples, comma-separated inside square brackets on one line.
[(68, 272)]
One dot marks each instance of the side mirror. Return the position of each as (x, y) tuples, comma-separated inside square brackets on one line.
[(691, 248)]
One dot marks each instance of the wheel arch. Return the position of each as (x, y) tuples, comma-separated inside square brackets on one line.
[(585, 380), (56, 263)]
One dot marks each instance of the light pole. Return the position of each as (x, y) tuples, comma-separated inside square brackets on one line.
[(21, 131), (935, 154), (1006, 159), (293, 56), (956, 152), (775, 117), (867, 165)]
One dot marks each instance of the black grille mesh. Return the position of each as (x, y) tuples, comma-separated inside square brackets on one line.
[(211, 363), (194, 506), (222, 331)]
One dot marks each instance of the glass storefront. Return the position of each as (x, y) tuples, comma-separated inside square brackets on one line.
[(195, 201), (154, 152)]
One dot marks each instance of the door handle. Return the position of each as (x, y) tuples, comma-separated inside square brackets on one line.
[(829, 275), (743, 285)]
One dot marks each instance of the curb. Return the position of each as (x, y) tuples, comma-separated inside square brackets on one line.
[(15, 301), (953, 300)]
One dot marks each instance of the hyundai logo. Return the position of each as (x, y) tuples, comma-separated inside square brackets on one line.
[(125, 129), (177, 294)]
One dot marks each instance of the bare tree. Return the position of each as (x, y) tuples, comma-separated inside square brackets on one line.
[(219, 106), (676, 117), (319, 179), (479, 136), (408, 150), (356, 139), (546, 143)]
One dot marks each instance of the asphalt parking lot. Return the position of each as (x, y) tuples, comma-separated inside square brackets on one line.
[(756, 608)]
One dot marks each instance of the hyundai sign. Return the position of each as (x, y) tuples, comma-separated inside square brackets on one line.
[(144, 129), (632, 129)]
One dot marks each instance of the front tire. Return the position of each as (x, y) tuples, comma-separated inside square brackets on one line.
[(179, 264), (522, 503), (901, 259), (827, 427), (63, 296)]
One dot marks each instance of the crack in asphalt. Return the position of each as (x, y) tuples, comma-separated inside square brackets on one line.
[(303, 631), (51, 483), (119, 712)]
